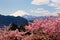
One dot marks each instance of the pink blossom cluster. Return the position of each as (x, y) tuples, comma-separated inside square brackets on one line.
[(11, 35), (48, 25), (43, 29)]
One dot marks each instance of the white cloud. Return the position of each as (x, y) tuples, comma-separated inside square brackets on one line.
[(19, 13), (54, 3), (43, 12), (51, 3), (40, 2)]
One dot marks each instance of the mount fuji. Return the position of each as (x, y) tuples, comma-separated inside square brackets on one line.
[(19, 13)]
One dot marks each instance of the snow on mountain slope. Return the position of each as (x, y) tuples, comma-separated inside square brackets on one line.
[(19, 13)]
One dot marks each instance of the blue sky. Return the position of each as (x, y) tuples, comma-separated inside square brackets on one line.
[(32, 7)]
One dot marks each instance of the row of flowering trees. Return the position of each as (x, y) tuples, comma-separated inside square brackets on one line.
[(43, 29)]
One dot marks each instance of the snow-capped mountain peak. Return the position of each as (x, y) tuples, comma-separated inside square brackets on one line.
[(19, 13)]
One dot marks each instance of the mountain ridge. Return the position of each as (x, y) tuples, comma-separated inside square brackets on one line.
[(6, 20)]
